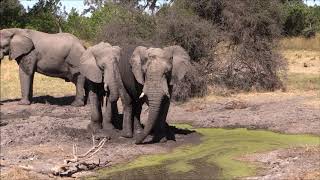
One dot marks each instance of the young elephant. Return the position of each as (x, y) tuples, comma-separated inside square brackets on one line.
[(158, 70), (99, 64), (55, 55)]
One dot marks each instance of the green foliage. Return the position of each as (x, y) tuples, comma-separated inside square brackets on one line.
[(122, 25), (46, 16), (12, 14), (301, 19), (78, 25)]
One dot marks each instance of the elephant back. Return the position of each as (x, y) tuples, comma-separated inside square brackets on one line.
[(133, 88)]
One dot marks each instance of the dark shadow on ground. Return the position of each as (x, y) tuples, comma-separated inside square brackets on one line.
[(171, 132), (60, 101)]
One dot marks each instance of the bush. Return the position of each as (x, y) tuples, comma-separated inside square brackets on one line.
[(231, 44), (301, 19), (235, 42), (125, 26), (194, 84)]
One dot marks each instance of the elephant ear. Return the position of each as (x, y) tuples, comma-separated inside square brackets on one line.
[(180, 63), (20, 44), (89, 67), (137, 61), (117, 50)]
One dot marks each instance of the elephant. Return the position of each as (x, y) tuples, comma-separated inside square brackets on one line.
[(55, 55), (158, 70), (99, 65), (144, 75)]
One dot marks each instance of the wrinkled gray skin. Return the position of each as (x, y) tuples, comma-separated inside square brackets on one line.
[(158, 70), (99, 64), (153, 71), (55, 55)]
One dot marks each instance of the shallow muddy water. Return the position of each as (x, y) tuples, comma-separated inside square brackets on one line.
[(213, 158)]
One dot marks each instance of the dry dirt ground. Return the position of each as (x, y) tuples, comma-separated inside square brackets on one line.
[(40, 136), (36, 138)]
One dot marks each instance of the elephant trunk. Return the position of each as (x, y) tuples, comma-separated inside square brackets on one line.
[(112, 84), (155, 98), (114, 91)]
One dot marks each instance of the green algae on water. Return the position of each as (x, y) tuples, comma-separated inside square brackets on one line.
[(215, 154)]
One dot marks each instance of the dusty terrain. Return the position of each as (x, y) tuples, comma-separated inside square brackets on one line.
[(37, 138), (40, 136)]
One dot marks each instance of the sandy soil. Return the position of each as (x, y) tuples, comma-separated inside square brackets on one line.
[(40, 136), (292, 113)]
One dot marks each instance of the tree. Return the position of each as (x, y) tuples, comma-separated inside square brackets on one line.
[(46, 16), (12, 14), (301, 19), (138, 4)]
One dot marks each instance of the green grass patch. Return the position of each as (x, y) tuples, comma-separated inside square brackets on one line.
[(219, 147)]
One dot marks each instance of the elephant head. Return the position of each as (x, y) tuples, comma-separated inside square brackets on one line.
[(99, 64), (15, 43), (158, 70)]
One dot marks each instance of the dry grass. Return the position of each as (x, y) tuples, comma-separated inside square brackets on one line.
[(43, 85), (18, 174), (301, 43), (297, 59), (304, 70)]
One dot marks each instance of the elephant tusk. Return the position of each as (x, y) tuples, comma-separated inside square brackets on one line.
[(142, 95)]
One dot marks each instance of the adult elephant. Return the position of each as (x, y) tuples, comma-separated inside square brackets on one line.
[(55, 55), (158, 70), (99, 64), (146, 75)]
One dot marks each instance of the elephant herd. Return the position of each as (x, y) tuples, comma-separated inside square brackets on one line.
[(135, 75)]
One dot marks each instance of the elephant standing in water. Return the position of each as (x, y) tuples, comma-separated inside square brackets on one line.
[(146, 76), (55, 55)]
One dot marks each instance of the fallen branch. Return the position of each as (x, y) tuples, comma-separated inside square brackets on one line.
[(78, 162)]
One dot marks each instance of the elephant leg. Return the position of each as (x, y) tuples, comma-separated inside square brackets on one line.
[(137, 107), (80, 91), (110, 114), (127, 115), (26, 83), (95, 106)]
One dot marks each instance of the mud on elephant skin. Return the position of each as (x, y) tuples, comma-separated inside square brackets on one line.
[(55, 55)]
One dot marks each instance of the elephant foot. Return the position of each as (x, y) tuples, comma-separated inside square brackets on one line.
[(108, 126), (24, 102), (94, 127), (159, 138), (164, 137), (139, 138), (138, 129), (77, 103), (170, 135), (126, 134)]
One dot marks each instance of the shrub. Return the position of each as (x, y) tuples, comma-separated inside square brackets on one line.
[(126, 26), (246, 33), (231, 44)]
